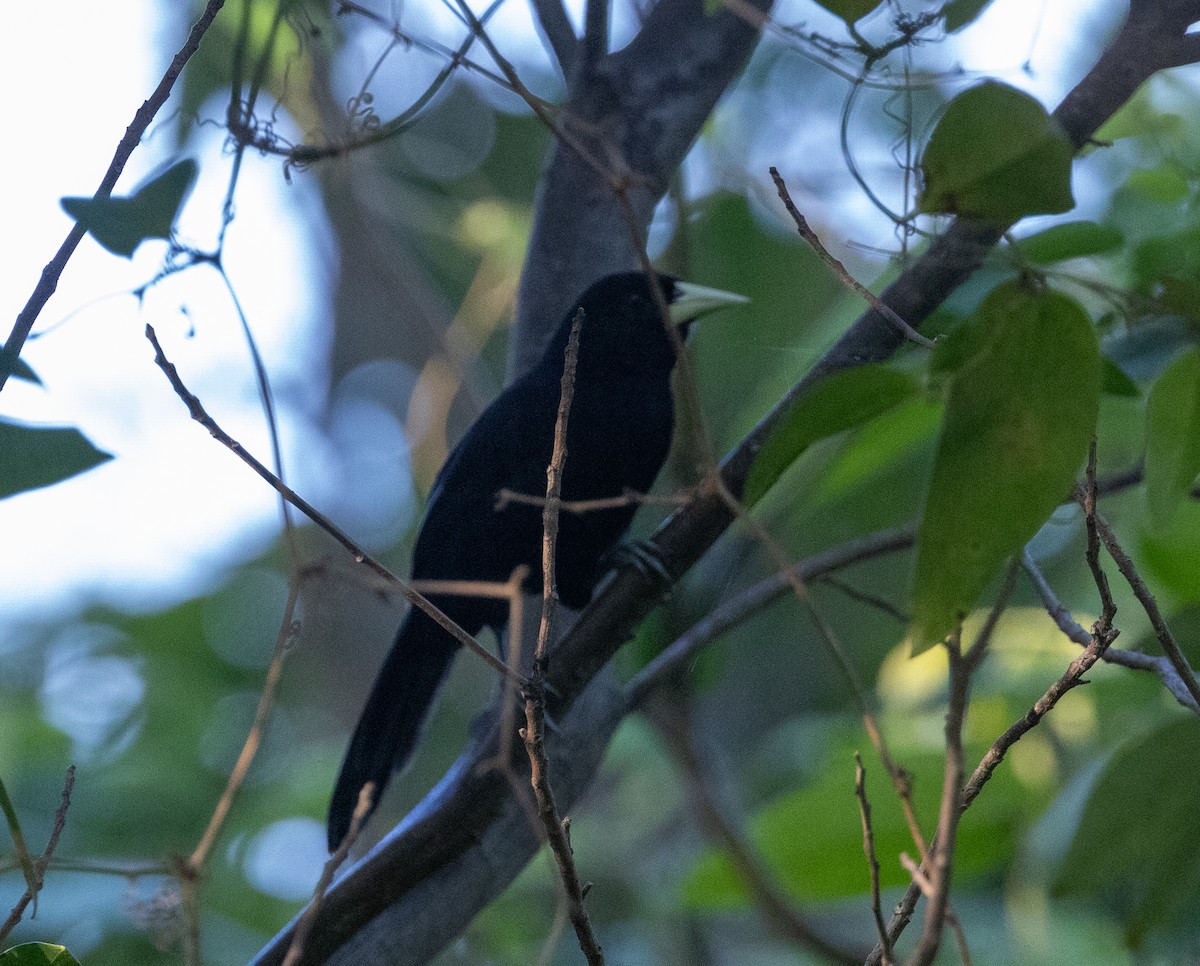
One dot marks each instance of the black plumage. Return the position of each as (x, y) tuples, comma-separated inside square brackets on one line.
[(619, 432)]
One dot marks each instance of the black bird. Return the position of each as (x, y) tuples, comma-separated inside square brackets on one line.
[(618, 434)]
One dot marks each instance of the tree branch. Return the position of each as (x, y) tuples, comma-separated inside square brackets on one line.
[(558, 32), (638, 109)]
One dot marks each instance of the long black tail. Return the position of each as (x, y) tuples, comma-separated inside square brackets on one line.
[(391, 722)]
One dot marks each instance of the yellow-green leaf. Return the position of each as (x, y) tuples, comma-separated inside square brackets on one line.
[(1019, 416)]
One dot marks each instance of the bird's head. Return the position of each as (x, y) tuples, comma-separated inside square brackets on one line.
[(623, 318)]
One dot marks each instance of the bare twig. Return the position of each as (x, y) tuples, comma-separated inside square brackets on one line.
[(198, 413), (535, 690), (304, 924), (39, 868), (940, 865), (1087, 499), (1162, 630), (840, 270), (1103, 635), (671, 719), (125, 147), (629, 498), (864, 811), (978, 650), (288, 630), (733, 612), (1135, 660), (594, 44), (864, 597), (901, 780), (24, 861)]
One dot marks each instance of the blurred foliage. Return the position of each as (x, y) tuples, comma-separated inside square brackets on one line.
[(1082, 848)]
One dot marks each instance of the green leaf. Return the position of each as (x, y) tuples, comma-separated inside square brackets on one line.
[(121, 224), (959, 13), (1173, 438), (1115, 382), (1018, 420), (37, 954), (1167, 184), (1172, 556), (841, 402), (31, 457), (1075, 239), (1137, 847), (1138, 117), (851, 11), (997, 156), (22, 371)]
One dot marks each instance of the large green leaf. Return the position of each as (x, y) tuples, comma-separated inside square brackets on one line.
[(841, 402), (1137, 847), (996, 155), (1173, 437), (31, 457), (37, 954), (121, 224), (1018, 420)]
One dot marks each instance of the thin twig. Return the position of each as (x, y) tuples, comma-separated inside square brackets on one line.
[(288, 630), (24, 861), (304, 924), (901, 779), (1135, 660), (840, 270), (671, 719), (1072, 678), (125, 148), (535, 691), (940, 865), (864, 811), (733, 612), (1108, 607), (39, 869), (864, 597), (505, 497), (198, 413), (1162, 630)]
